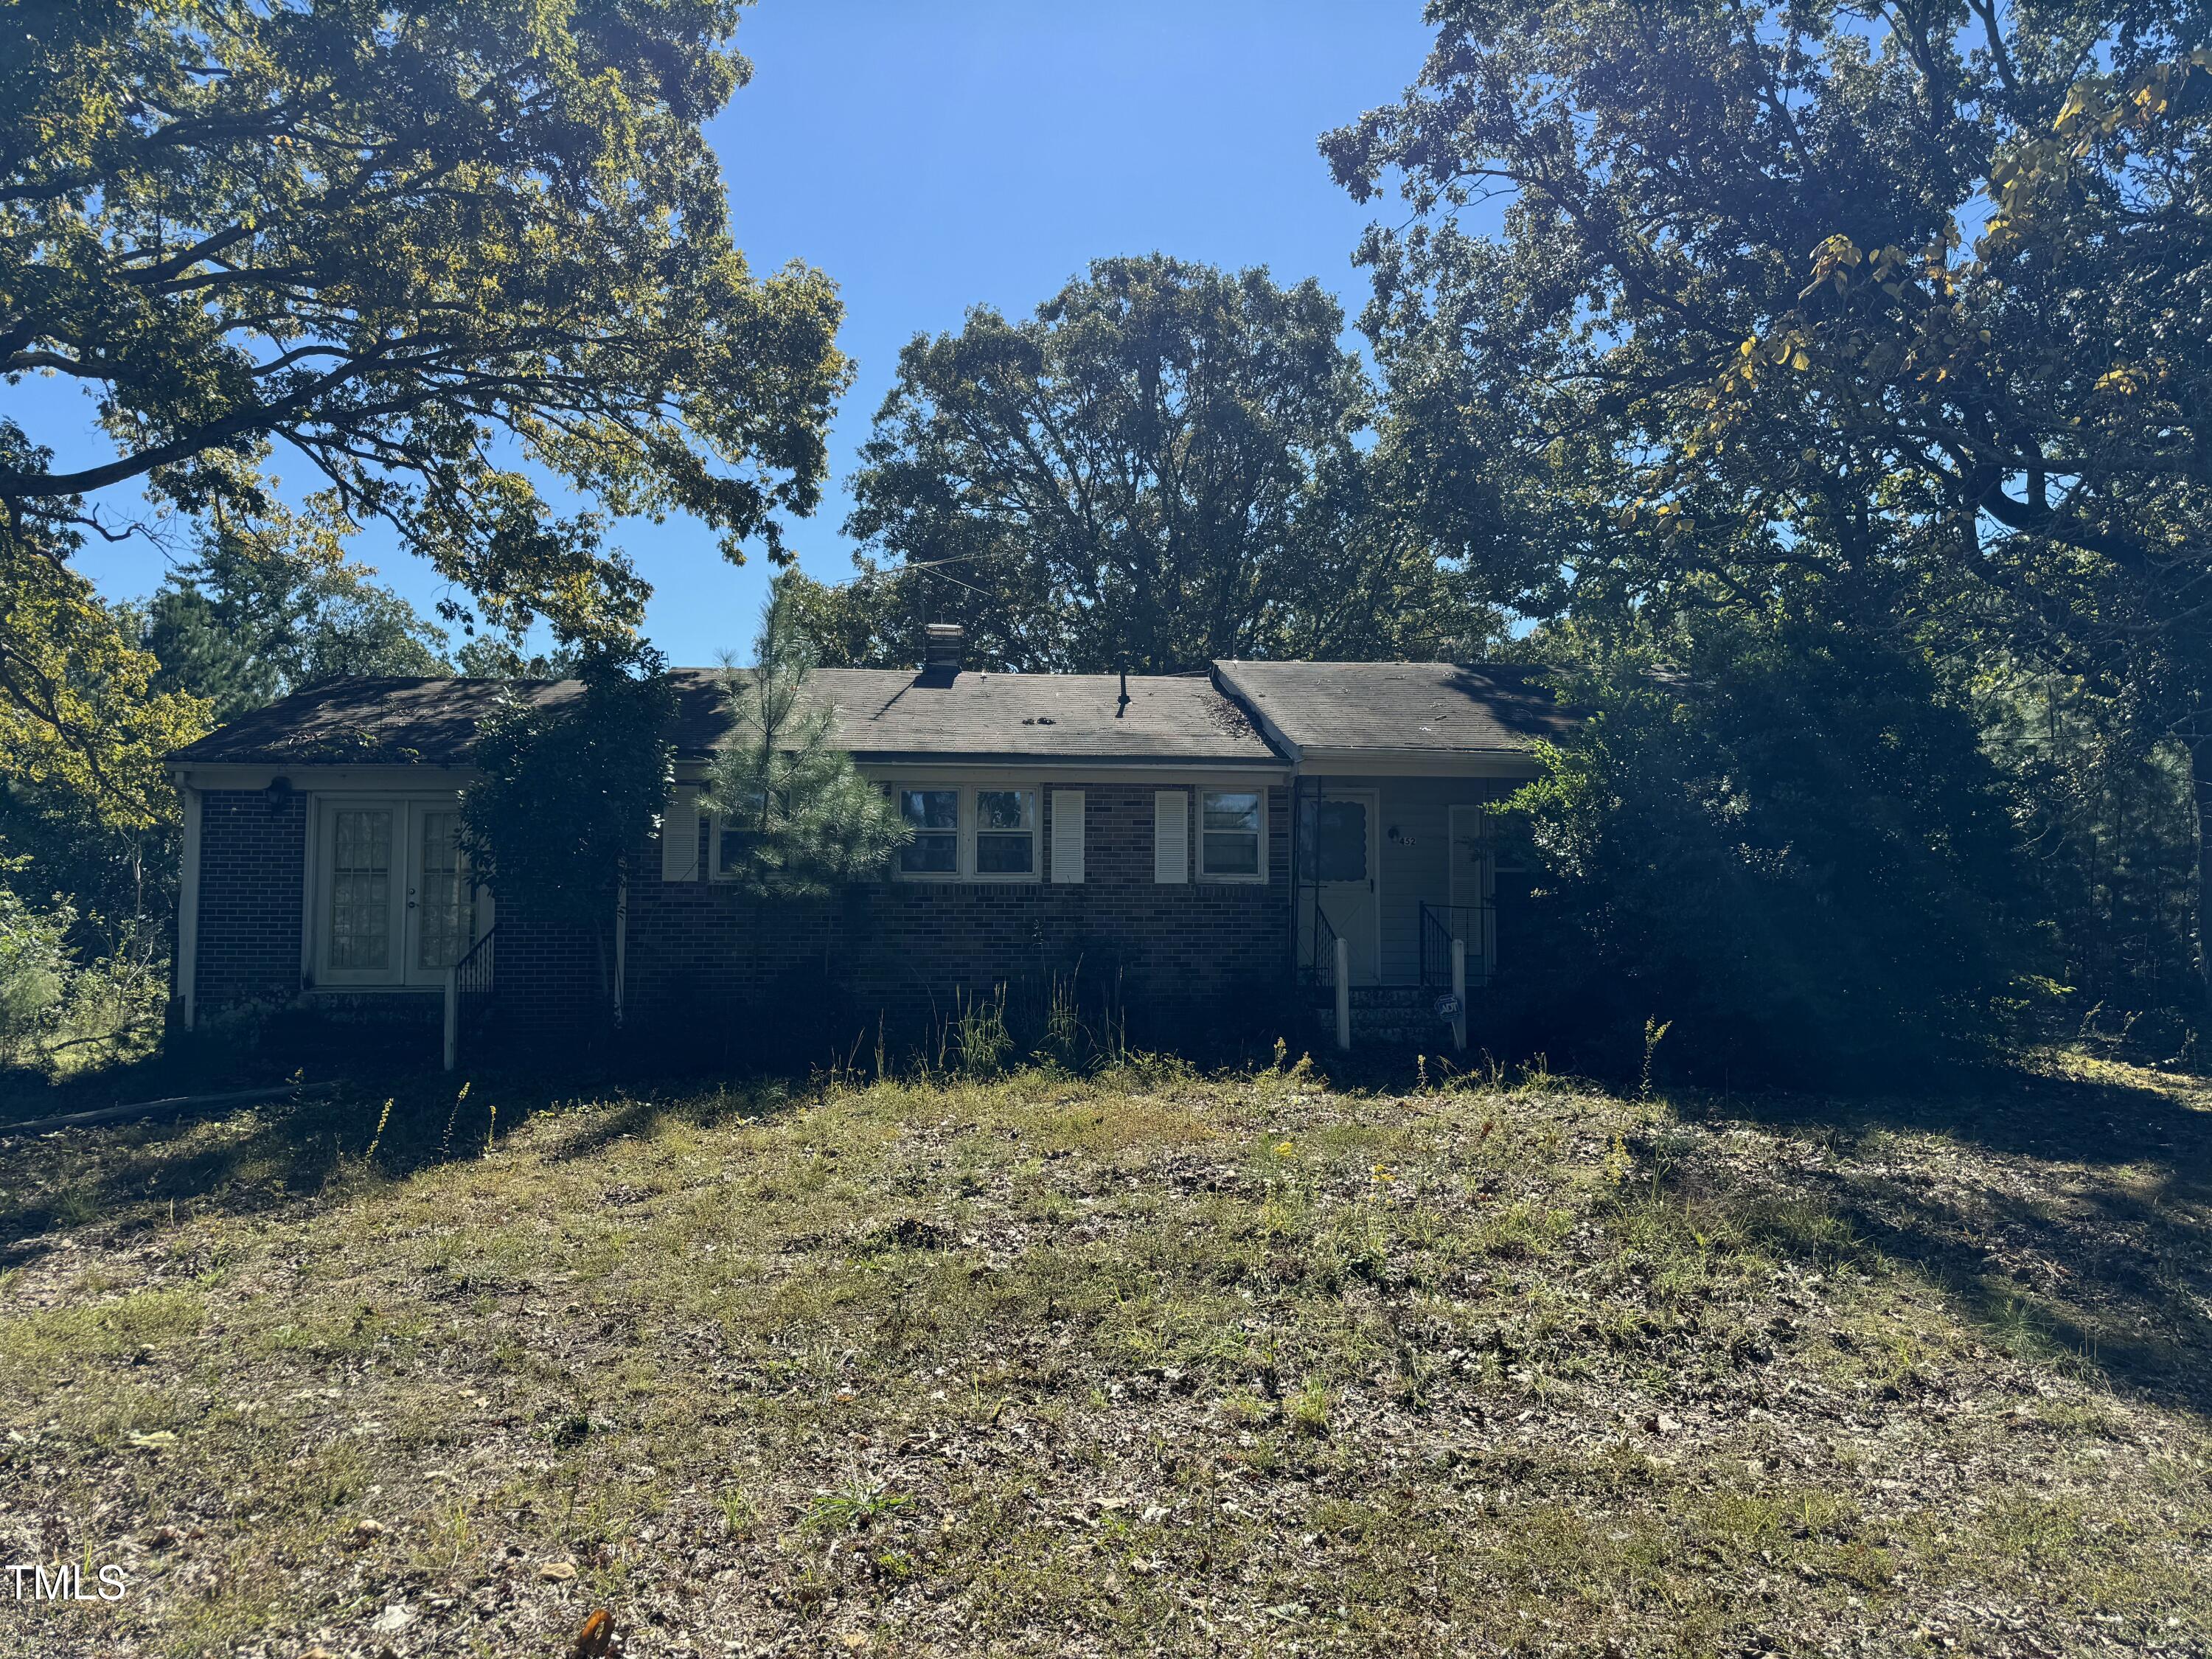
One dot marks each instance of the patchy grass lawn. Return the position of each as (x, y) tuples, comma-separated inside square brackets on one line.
[(1142, 1362)]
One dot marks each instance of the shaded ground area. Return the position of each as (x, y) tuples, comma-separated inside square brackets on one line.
[(1144, 1361)]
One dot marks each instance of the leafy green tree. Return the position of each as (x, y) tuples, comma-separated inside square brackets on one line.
[(1739, 330), (493, 657), (2106, 820), (1775, 837), (272, 604), (268, 605), (567, 788), (440, 251), (79, 713), (799, 821), (1164, 466)]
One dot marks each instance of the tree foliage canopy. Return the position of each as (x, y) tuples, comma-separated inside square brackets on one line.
[(1902, 316), (79, 710), (1735, 264), (438, 251), (1164, 464), (566, 793), (269, 604), (1775, 837), (389, 238)]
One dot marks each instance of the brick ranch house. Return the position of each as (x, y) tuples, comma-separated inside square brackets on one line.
[(1196, 842)]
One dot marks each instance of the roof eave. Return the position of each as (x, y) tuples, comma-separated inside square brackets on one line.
[(1419, 763)]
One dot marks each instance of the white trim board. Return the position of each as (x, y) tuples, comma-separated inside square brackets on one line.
[(188, 913)]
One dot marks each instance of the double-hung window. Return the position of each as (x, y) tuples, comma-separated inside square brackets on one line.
[(933, 851), (730, 842), (1006, 833), (969, 834), (1232, 834)]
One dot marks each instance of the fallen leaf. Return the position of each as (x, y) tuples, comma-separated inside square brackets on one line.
[(559, 1572), (596, 1639)]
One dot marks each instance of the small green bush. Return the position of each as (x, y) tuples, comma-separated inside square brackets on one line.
[(35, 971)]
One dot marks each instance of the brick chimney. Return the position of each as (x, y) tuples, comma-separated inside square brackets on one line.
[(944, 646)]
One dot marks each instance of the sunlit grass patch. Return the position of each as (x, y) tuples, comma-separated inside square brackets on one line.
[(1040, 1361), (59, 1337)]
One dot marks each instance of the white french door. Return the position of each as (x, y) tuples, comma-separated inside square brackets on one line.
[(393, 904), (441, 909)]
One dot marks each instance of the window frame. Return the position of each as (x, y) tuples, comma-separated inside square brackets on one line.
[(715, 869), (972, 821), (960, 821), (1258, 875), (966, 819)]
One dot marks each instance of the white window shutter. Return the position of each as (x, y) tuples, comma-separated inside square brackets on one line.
[(1170, 837), (679, 837), (1068, 835)]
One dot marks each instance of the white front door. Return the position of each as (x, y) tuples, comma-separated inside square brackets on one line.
[(1474, 889), (1348, 876)]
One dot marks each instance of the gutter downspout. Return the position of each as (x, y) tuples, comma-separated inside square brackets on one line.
[(622, 942)]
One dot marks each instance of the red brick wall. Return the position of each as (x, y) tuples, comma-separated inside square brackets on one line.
[(700, 953), (253, 863), (702, 960)]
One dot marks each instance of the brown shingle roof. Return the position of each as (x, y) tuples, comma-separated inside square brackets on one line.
[(883, 714), (1430, 707)]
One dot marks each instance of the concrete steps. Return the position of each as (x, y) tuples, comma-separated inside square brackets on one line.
[(1387, 1016)]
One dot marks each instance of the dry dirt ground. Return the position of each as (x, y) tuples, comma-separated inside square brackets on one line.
[(1142, 1362)]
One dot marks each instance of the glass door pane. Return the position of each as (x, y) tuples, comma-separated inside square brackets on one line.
[(1341, 840), (361, 888), (445, 915)]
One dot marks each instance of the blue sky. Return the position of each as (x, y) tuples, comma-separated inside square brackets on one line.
[(932, 157)]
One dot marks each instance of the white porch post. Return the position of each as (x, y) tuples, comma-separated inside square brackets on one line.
[(1343, 996), (1459, 994), (188, 913)]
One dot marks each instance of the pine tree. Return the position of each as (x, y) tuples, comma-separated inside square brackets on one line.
[(799, 820)]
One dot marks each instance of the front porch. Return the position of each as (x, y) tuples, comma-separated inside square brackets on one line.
[(1390, 873)]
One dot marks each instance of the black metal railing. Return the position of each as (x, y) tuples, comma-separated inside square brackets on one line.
[(1443, 923), (469, 986), (1324, 951)]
